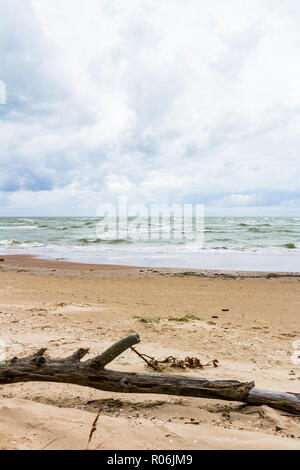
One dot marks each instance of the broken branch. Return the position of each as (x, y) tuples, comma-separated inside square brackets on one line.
[(92, 373)]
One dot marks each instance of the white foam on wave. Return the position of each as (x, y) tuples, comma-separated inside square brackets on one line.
[(18, 227)]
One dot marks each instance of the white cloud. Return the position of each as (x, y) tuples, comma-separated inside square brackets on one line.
[(118, 184)]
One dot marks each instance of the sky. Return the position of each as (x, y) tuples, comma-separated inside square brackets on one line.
[(172, 101)]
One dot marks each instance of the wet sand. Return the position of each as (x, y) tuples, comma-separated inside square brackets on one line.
[(248, 321)]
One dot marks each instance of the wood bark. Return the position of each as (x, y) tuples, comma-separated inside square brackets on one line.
[(92, 373)]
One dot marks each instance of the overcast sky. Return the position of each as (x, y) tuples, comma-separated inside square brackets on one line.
[(160, 100)]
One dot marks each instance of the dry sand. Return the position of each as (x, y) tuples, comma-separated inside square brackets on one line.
[(63, 306)]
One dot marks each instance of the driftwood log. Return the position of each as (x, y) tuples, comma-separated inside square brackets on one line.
[(92, 373)]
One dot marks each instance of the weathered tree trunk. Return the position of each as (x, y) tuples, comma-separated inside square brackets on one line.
[(282, 401), (92, 373)]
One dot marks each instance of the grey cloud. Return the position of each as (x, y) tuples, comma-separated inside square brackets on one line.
[(168, 113)]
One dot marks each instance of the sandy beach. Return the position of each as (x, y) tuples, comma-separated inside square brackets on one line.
[(247, 323)]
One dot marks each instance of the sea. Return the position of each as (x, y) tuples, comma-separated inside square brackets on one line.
[(218, 243)]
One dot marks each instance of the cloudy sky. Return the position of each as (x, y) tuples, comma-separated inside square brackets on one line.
[(160, 100)]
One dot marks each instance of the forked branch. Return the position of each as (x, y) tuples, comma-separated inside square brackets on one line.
[(92, 373)]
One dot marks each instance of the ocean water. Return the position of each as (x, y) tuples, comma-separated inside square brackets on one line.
[(234, 243)]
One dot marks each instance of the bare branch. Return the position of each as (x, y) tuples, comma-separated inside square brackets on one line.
[(114, 351), (77, 355), (92, 373)]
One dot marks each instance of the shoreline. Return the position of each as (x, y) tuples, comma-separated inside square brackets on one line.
[(37, 262), (203, 260)]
